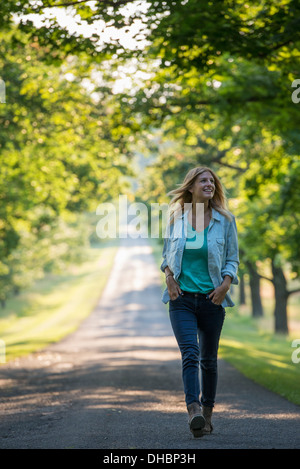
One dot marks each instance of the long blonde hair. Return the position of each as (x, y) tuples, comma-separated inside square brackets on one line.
[(182, 195)]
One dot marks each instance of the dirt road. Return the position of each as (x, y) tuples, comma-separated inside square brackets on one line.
[(116, 382)]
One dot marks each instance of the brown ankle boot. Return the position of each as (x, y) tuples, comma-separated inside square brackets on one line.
[(196, 419), (207, 414)]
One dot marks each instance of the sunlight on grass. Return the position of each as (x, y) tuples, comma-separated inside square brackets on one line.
[(55, 305), (263, 357)]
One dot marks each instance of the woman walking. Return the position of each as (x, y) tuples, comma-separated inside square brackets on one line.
[(200, 262)]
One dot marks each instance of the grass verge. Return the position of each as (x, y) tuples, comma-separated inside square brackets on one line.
[(55, 305), (263, 357)]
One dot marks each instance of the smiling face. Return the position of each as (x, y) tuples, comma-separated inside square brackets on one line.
[(203, 188)]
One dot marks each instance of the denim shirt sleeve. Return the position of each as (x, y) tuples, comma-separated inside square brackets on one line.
[(164, 254), (232, 253), (168, 234)]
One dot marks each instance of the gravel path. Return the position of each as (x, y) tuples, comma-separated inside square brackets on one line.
[(116, 382)]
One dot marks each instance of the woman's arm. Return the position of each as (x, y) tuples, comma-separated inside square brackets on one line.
[(173, 287), (229, 271), (232, 254)]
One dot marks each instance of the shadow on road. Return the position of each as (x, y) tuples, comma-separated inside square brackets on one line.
[(116, 382)]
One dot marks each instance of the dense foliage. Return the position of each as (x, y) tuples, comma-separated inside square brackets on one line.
[(206, 82)]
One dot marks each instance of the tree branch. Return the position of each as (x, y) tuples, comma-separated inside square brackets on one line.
[(77, 2), (266, 278), (218, 158), (297, 290)]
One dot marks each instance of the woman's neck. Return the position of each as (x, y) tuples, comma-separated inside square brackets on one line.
[(200, 216), (198, 209)]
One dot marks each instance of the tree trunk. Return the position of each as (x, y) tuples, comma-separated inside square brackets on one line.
[(281, 298), (254, 280), (242, 289)]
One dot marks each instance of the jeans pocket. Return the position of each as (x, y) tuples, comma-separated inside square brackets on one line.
[(175, 298), (214, 304)]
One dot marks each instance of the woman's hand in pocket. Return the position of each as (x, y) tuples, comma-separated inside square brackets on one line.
[(218, 295), (173, 288)]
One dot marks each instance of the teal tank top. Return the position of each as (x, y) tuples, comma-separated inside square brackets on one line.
[(194, 276)]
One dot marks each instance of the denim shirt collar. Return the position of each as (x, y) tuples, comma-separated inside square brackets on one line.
[(180, 229)]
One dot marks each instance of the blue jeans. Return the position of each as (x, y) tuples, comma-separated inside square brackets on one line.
[(197, 324)]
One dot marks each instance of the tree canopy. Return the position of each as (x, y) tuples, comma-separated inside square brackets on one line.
[(197, 82)]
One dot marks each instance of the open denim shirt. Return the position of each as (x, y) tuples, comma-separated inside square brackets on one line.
[(222, 245)]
